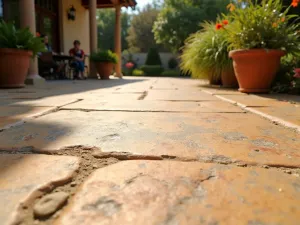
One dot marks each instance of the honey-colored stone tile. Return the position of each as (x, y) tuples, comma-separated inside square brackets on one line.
[(152, 106), (179, 95), (191, 193), (221, 137), (13, 114), (23, 177)]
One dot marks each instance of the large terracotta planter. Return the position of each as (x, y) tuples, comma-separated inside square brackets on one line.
[(228, 78), (14, 65), (255, 69), (104, 69)]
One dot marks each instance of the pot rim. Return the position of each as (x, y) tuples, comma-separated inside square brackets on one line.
[(15, 51), (258, 51)]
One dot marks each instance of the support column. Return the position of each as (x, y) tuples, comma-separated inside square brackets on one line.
[(93, 35), (118, 41), (27, 19)]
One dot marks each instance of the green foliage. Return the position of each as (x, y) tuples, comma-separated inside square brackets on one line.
[(266, 25), (106, 28), (23, 39), (285, 81), (104, 56), (137, 72), (153, 70), (153, 57), (171, 73), (172, 63), (205, 53), (140, 36), (180, 18)]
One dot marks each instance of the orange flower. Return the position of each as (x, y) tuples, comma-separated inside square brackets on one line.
[(282, 19), (38, 34), (275, 24), (225, 22), (295, 3), (219, 26), (231, 7)]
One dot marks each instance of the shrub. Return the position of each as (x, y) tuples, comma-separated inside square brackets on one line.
[(19, 39), (172, 63), (205, 53), (171, 73), (104, 56), (154, 70), (285, 81), (138, 72), (153, 58)]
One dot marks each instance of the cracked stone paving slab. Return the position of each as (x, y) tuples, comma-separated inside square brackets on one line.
[(191, 193), (218, 137), (24, 177), (154, 106)]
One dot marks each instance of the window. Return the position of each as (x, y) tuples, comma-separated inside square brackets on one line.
[(1, 9)]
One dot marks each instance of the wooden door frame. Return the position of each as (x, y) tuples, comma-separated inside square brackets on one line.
[(54, 16)]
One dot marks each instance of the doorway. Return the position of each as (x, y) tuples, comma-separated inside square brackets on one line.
[(47, 21)]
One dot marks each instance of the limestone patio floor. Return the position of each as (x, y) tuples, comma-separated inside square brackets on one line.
[(154, 151)]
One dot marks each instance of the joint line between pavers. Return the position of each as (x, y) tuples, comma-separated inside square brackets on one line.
[(282, 122)]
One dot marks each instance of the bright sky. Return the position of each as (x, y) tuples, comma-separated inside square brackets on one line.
[(142, 3)]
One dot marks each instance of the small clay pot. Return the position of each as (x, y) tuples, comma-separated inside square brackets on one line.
[(228, 78), (104, 69), (255, 69), (14, 65)]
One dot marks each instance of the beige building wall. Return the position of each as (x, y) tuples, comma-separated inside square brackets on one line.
[(74, 30)]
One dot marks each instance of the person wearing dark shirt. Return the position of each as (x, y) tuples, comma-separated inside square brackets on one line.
[(48, 47), (78, 55)]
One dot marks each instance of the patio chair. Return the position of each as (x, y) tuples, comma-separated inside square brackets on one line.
[(46, 65), (72, 72), (49, 68)]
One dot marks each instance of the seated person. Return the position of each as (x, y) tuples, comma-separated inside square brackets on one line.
[(46, 61), (48, 47), (78, 62)]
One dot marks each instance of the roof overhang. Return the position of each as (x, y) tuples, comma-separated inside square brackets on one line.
[(111, 3)]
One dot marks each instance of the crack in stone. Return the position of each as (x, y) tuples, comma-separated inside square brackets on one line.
[(143, 96)]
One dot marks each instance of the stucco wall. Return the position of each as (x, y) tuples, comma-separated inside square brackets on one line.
[(75, 30), (140, 58)]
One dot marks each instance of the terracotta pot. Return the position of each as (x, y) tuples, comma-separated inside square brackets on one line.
[(228, 78), (255, 69), (213, 79), (14, 65), (104, 69)]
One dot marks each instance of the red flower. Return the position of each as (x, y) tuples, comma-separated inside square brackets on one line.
[(297, 73), (295, 3), (129, 65), (38, 34), (225, 22), (219, 26)]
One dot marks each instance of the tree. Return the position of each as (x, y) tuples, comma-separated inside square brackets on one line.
[(140, 36), (106, 29), (153, 58), (180, 18)]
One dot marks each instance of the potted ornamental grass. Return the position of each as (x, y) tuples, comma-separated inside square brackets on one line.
[(205, 55), (260, 34), (17, 46), (104, 62)]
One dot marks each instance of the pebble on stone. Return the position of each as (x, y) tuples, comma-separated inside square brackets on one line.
[(49, 204)]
